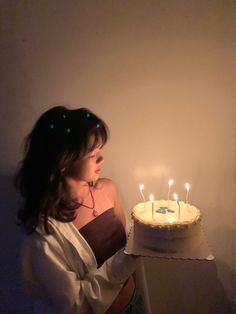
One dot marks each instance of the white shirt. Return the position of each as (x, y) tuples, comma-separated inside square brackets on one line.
[(60, 272)]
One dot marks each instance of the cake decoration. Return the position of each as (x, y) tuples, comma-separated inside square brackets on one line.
[(164, 210)]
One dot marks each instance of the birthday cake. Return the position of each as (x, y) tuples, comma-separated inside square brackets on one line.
[(166, 226)]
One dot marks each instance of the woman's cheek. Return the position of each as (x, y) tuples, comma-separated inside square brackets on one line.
[(79, 171), (87, 170)]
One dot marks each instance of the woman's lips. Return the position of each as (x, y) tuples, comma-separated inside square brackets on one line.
[(98, 170)]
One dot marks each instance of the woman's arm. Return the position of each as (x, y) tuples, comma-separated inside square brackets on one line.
[(66, 289)]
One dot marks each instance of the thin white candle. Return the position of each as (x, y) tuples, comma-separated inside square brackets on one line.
[(141, 187), (187, 187), (175, 196), (170, 183), (151, 198)]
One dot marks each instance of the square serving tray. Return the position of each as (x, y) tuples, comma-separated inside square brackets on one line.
[(201, 252)]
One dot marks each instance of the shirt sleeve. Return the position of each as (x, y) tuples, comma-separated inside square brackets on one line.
[(110, 276), (47, 275)]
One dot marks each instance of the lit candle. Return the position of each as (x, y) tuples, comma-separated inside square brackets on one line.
[(170, 183), (187, 187), (141, 187), (151, 198), (175, 196)]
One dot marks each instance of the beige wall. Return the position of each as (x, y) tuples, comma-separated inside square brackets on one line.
[(160, 73)]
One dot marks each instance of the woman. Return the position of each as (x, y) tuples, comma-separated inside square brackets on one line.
[(72, 257)]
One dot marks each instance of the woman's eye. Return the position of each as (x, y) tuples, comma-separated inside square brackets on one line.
[(95, 154)]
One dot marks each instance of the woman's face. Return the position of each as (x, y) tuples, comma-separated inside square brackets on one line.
[(89, 167)]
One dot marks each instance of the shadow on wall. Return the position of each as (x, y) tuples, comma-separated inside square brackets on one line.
[(12, 299)]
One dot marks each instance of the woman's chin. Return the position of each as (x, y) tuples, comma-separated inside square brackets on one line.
[(95, 177)]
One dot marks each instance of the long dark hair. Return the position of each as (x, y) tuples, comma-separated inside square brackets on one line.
[(59, 137)]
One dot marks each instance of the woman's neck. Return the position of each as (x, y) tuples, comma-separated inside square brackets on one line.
[(77, 189)]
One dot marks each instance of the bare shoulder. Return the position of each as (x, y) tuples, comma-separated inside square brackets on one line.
[(106, 182), (108, 186)]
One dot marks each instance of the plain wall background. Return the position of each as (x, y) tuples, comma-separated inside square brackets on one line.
[(161, 74)]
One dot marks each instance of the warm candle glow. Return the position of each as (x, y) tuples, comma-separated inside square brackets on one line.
[(171, 219), (176, 199), (170, 183), (151, 197), (141, 187), (175, 196), (187, 186)]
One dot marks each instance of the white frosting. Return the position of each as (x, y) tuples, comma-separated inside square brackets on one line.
[(166, 213)]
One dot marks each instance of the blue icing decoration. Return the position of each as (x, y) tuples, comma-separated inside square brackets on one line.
[(161, 210), (164, 210)]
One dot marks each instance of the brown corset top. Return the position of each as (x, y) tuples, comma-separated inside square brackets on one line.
[(105, 234)]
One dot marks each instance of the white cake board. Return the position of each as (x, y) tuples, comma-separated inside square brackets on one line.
[(201, 252)]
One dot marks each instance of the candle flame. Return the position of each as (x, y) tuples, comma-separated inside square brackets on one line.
[(170, 182), (175, 196), (187, 186), (151, 197), (141, 187)]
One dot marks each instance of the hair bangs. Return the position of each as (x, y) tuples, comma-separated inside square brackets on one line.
[(98, 137)]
